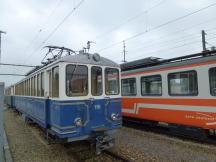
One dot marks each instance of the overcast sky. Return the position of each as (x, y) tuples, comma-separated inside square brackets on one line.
[(29, 22)]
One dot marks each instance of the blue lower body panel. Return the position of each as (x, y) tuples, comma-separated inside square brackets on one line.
[(59, 116), (33, 108)]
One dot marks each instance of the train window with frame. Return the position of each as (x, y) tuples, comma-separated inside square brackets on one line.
[(151, 85), (212, 81), (32, 89), (112, 81), (50, 82), (183, 83), (21, 88), (42, 84), (96, 81), (15, 89), (55, 82), (35, 85), (76, 80), (38, 85), (129, 87), (25, 88), (29, 88)]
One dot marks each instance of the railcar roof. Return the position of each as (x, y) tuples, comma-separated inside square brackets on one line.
[(79, 58), (88, 59), (153, 63)]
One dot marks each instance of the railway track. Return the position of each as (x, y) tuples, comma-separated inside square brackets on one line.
[(84, 153), (79, 151), (117, 156)]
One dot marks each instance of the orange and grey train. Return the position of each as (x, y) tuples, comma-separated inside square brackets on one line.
[(178, 92)]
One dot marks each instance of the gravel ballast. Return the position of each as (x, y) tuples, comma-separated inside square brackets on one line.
[(28, 145)]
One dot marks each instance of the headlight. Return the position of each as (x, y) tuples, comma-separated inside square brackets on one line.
[(78, 122), (115, 117)]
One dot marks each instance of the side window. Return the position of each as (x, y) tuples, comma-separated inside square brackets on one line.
[(55, 82), (42, 84), (96, 81), (183, 83), (129, 87), (151, 85), (212, 81), (38, 85), (76, 80), (35, 85), (29, 87), (112, 81), (24, 92), (50, 82), (32, 87)]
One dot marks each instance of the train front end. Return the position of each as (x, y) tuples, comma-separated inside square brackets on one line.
[(90, 104)]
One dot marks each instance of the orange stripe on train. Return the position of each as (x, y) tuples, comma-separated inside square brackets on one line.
[(178, 117), (129, 102)]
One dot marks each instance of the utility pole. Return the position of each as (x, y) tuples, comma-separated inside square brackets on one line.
[(124, 51), (1, 32), (203, 40)]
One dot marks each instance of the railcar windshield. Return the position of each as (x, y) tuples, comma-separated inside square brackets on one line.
[(76, 80), (112, 81)]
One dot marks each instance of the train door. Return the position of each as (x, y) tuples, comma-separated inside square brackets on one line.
[(112, 92), (97, 108)]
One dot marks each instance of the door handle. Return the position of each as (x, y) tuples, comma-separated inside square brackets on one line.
[(91, 99)]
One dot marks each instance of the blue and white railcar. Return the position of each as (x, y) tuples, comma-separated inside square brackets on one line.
[(76, 97)]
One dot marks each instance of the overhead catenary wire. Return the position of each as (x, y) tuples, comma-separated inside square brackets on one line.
[(172, 41), (181, 30), (64, 19), (8, 64), (130, 19), (42, 27), (160, 26), (11, 74), (171, 48), (56, 28)]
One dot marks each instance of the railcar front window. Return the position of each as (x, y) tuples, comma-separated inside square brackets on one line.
[(212, 80), (96, 81), (76, 80), (129, 87), (112, 81), (183, 83), (151, 85)]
